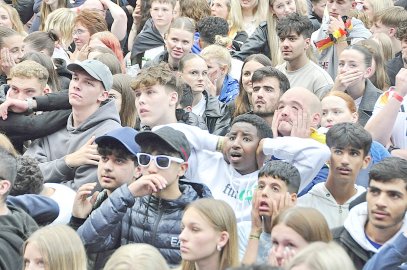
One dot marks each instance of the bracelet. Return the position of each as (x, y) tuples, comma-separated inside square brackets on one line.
[(253, 236), (398, 97), (219, 145)]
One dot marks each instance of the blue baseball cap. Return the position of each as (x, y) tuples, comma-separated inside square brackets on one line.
[(124, 135)]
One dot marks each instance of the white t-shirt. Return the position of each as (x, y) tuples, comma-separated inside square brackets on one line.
[(64, 196), (199, 108)]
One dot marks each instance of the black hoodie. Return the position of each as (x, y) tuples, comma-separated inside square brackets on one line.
[(16, 227)]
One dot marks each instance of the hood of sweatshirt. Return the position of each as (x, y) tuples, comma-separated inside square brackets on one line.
[(320, 191), (105, 112), (355, 225)]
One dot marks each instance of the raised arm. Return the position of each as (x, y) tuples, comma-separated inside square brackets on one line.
[(381, 124), (307, 155)]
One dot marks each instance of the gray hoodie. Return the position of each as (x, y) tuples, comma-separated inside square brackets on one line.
[(51, 150)]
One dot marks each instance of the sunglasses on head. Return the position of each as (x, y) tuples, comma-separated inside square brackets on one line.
[(161, 161)]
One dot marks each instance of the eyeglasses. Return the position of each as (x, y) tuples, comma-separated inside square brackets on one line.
[(78, 32), (161, 161)]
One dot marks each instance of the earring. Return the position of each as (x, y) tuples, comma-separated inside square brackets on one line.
[(218, 247)]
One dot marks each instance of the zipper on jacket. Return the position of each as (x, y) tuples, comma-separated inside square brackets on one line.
[(160, 214)]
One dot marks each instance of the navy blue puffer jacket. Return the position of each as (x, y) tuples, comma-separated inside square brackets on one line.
[(123, 219)]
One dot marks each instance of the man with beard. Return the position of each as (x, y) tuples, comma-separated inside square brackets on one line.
[(382, 218), (268, 86)]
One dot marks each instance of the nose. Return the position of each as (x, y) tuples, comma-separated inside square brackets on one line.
[(345, 159), (279, 252), (284, 111), (152, 167), (236, 143), (183, 235), (264, 192), (107, 166), (381, 200)]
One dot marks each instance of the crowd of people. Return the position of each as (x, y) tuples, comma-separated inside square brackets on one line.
[(203, 134)]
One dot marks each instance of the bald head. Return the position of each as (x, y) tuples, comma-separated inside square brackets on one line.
[(299, 104)]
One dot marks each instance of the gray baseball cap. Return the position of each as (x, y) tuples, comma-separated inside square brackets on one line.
[(96, 69)]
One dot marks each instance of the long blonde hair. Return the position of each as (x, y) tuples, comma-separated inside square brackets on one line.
[(60, 247), (273, 40), (46, 10), (14, 18), (221, 216), (235, 18), (140, 256)]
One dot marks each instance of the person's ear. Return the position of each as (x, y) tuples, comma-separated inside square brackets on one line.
[(315, 120), (355, 117), (223, 239), (188, 109), (5, 186), (173, 98), (103, 96), (366, 161), (293, 197), (392, 32), (182, 169), (47, 90), (224, 69), (368, 72), (307, 43)]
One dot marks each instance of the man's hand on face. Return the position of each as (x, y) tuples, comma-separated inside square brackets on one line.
[(148, 184), (301, 126)]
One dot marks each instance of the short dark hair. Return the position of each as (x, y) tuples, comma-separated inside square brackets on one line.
[(266, 72), (263, 128), (30, 179), (210, 27), (343, 135), (187, 96), (284, 171), (8, 168), (389, 169), (113, 147), (294, 22)]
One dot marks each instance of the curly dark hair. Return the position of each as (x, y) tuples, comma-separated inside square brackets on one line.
[(30, 179), (402, 30)]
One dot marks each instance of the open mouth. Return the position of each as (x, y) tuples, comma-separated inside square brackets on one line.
[(235, 156)]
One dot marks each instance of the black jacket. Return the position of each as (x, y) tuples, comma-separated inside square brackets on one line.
[(20, 127), (16, 227), (393, 67), (216, 116), (256, 43), (148, 39), (357, 254)]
